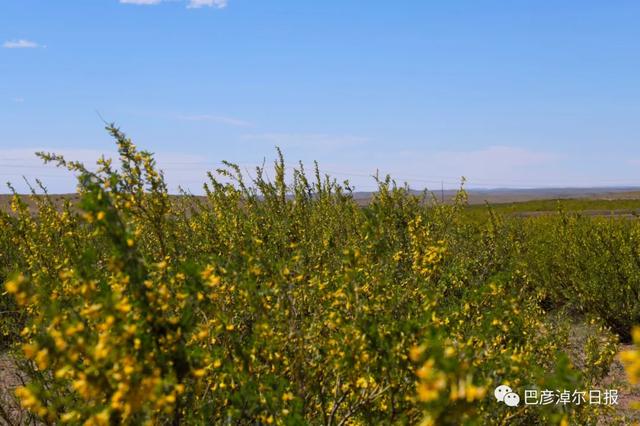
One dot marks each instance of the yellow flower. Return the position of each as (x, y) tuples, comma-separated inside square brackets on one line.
[(416, 352), (69, 417), (27, 399), (42, 359), (11, 286), (100, 419), (362, 383), (30, 350), (474, 393), (101, 350), (123, 306), (426, 369), (287, 396)]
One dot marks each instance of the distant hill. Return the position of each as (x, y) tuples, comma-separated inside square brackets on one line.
[(510, 195), (476, 196)]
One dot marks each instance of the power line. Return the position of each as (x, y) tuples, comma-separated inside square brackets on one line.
[(431, 180)]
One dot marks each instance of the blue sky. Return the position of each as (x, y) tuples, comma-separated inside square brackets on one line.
[(509, 94)]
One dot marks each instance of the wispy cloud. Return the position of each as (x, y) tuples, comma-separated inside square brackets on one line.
[(20, 44), (143, 2), (196, 4), (491, 166), (307, 139), (506, 156), (230, 121), (192, 4)]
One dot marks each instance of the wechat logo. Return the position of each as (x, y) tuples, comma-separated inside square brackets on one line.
[(504, 393)]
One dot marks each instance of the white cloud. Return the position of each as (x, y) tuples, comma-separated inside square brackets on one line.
[(491, 166), (316, 140), (20, 44), (144, 2), (195, 4), (502, 156), (192, 4), (230, 121)]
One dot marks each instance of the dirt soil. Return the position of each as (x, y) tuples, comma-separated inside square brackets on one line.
[(629, 395), (10, 414)]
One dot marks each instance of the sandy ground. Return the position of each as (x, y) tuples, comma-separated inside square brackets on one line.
[(627, 411), (624, 413), (9, 380)]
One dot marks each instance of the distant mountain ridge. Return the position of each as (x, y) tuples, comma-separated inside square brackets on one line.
[(510, 195), (476, 196)]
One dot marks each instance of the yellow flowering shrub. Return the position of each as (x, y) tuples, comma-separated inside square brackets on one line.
[(586, 264), (271, 302)]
